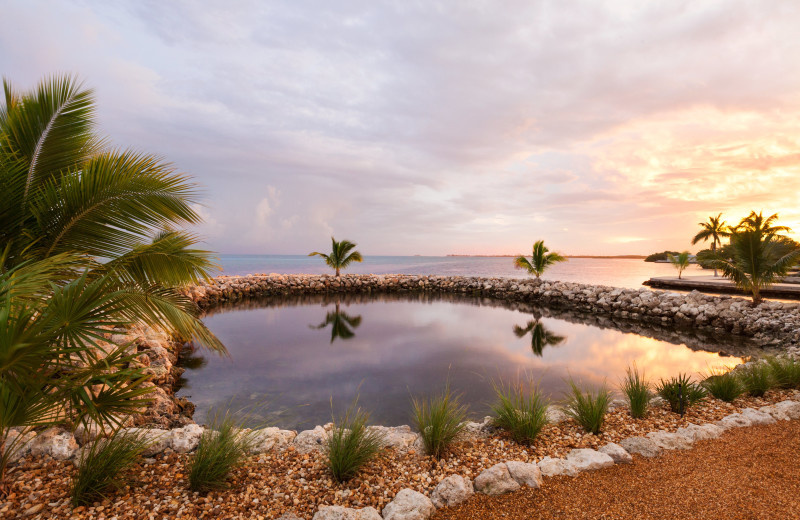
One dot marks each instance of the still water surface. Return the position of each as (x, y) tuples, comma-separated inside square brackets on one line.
[(295, 356)]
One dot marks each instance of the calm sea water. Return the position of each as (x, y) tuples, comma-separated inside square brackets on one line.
[(617, 273), (293, 361)]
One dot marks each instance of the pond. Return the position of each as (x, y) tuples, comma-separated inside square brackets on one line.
[(296, 360)]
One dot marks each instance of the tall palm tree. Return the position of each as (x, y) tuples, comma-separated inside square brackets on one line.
[(759, 256), (342, 324), (714, 229), (541, 336), (89, 241), (540, 260), (340, 256), (66, 191), (680, 262)]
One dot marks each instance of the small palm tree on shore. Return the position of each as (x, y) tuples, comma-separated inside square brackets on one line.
[(759, 256), (714, 229), (540, 260), (680, 261), (340, 256)]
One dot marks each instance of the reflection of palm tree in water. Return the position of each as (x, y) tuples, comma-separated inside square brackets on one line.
[(541, 336), (342, 324)]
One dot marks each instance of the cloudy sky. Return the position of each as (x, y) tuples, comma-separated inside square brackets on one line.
[(422, 127)]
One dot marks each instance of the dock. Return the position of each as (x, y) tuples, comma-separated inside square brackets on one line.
[(720, 285)]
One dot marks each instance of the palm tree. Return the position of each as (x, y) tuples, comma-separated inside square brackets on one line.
[(759, 257), (340, 256), (714, 229), (342, 324), (89, 241), (680, 261), (541, 336), (540, 260)]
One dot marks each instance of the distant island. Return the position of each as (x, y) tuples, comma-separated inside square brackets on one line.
[(607, 257)]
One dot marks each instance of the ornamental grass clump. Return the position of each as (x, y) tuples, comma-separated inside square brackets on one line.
[(588, 408), (101, 466), (351, 444), (680, 392), (724, 386), (223, 447), (440, 420), (637, 391), (756, 378), (521, 412), (785, 371)]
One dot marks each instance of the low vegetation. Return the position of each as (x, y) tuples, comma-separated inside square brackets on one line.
[(223, 447), (100, 468), (680, 392), (756, 378), (351, 444), (439, 420), (588, 408), (520, 409), (785, 371), (660, 257), (637, 392), (723, 385)]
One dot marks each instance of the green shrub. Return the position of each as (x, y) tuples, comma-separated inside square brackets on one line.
[(351, 443), (522, 413), (99, 467), (588, 408), (785, 371), (680, 392), (756, 378), (440, 420), (637, 391), (724, 386), (223, 447)]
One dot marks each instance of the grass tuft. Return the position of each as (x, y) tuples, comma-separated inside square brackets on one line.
[(724, 386), (680, 392), (588, 408), (351, 443), (756, 378), (440, 420), (785, 371), (100, 467), (522, 413), (223, 447), (637, 391)]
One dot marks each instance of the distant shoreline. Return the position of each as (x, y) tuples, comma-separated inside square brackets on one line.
[(612, 257)]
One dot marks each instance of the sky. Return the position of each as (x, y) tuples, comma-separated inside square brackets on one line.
[(433, 128)]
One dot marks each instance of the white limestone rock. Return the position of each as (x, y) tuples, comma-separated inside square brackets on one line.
[(267, 439), (20, 443), (641, 446), (56, 442), (734, 420), (187, 438), (311, 440), (400, 437), (670, 441), (589, 460), (617, 453), (784, 410), (345, 513), (525, 473), (757, 416), (496, 481), (695, 432), (555, 415), (551, 467), (452, 491), (409, 505), (158, 440)]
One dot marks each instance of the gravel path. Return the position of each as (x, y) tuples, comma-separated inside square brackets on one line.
[(747, 473)]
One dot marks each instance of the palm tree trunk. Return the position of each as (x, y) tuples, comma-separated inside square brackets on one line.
[(757, 299), (337, 272), (713, 251)]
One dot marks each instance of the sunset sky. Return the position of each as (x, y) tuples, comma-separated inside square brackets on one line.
[(422, 127)]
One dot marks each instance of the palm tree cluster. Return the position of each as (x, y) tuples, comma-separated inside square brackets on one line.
[(90, 241), (758, 254)]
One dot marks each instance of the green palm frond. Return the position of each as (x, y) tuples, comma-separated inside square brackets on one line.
[(340, 256), (541, 259)]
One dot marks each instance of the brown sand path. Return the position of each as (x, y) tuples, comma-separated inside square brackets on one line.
[(747, 473)]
